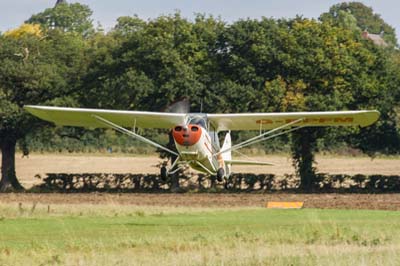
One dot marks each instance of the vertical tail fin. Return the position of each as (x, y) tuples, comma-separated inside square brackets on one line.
[(227, 156), (227, 145)]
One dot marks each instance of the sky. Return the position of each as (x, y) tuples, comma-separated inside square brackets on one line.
[(14, 12)]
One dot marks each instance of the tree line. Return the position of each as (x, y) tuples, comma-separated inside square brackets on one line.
[(58, 57)]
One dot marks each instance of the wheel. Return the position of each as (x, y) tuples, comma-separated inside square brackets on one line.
[(220, 174), (163, 173)]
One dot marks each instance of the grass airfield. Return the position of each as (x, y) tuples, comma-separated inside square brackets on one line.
[(196, 228), (115, 234)]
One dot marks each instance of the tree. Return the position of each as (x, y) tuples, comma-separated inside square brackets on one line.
[(25, 29), (33, 70), (365, 19), (382, 90), (65, 17), (305, 65)]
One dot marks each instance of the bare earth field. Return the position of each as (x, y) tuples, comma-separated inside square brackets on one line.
[(27, 168), (41, 164), (208, 200)]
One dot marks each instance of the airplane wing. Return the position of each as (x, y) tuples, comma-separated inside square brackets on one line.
[(257, 121), (86, 117), (242, 121)]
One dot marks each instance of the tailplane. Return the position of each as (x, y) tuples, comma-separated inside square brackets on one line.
[(243, 162), (227, 156)]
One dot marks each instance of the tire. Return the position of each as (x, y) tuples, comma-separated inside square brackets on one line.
[(220, 174)]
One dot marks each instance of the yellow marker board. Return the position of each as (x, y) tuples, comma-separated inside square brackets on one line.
[(284, 205)]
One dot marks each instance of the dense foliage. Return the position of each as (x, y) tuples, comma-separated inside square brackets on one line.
[(248, 66)]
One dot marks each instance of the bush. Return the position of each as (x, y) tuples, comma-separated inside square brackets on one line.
[(88, 182)]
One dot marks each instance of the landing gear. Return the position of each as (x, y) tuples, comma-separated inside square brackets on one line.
[(220, 174), (164, 173)]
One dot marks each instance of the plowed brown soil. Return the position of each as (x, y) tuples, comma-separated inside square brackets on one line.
[(40, 164), (323, 201), (27, 168)]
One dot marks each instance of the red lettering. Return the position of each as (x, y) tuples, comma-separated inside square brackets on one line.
[(343, 120), (311, 120), (325, 120), (265, 121)]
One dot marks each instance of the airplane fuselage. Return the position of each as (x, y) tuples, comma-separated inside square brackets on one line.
[(197, 147)]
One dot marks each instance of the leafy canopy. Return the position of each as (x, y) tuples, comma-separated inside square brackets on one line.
[(72, 18)]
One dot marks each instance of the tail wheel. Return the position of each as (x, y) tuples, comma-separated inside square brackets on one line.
[(163, 173), (220, 174)]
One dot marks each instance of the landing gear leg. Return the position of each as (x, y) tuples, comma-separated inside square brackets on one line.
[(164, 172)]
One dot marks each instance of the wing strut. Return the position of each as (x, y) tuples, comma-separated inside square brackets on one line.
[(171, 171), (132, 134), (263, 137)]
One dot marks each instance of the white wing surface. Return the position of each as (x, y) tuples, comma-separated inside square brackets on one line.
[(86, 117), (257, 121), (241, 121)]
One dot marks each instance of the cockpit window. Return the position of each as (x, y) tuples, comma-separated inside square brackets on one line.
[(198, 120)]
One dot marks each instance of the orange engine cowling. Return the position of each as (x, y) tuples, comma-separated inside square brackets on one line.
[(186, 135)]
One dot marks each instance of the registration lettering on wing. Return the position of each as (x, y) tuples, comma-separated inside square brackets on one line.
[(314, 121)]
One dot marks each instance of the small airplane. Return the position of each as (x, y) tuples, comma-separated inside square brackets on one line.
[(196, 134)]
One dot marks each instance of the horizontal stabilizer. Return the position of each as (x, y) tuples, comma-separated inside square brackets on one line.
[(242, 162)]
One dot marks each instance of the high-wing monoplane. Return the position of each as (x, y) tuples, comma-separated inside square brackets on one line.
[(196, 134)]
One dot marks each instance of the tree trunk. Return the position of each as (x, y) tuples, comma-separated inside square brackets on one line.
[(303, 147), (175, 182), (9, 181)]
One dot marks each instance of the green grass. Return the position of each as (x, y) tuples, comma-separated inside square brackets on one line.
[(129, 235)]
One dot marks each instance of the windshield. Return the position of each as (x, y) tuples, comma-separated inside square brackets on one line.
[(200, 120)]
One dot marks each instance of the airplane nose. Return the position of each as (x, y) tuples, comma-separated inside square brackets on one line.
[(186, 135)]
